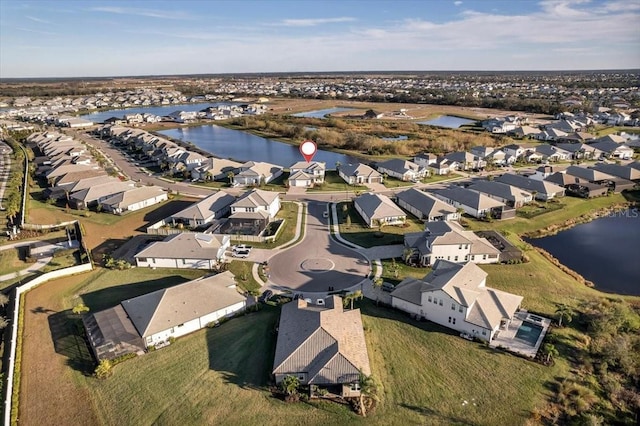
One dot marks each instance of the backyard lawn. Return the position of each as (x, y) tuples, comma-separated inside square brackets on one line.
[(358, 233), (288, 212), (222, 376), (395, 270), (333, 182)]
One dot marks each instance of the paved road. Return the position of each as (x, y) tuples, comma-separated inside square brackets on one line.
[(318, 262)]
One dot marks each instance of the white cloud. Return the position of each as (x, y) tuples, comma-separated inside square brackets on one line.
[(457, 2), (311, 22), (149, 13), (39, 20)]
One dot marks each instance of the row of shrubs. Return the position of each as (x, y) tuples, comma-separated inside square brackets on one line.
[(564, 269)]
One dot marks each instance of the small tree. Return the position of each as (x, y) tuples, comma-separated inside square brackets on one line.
[(230, 176), (565, 313), (290, 385), (4, 299), (377, 285), (550, 351), (104, 369), (80, 309), (369, 389), (4, 322)]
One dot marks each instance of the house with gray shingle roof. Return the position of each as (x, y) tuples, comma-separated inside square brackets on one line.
[(473, 203), (134, 199), (378, 210), (321, 345), (449, 241), (624, 172), (612, 149), (254, 173), (425, 206), (215, 206), (357, 174), (154, 318), (186, 250), (307, 174), (456, 296), (510, 195), (402, 169), (544, 190)]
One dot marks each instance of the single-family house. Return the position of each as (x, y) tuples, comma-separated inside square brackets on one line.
[(624, 172), (456, 296), (153, 319), (254, 173), (443, 166), (514, 150), (185, 250), (322, 345), (507, 194), (425, 206), (613, 149), (525, 132), (134, 199), (552, 153), (425, 159), (358, 174), (257, 200), (402, 169), (215, 206), (307, 174), (215, 169), (448, 241), (377, 210), (94, 195), (580, 151), (473, 203), (597, 176), (465, 160), (544, 190)]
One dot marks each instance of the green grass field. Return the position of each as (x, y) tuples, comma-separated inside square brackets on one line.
[(242, 271), (395, 270), (10, 261), (358, 233), (333, 182), (222, 376)]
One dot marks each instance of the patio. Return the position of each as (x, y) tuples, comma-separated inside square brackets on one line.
[(506, 338)]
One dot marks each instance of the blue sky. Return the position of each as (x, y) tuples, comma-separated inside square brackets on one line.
[(93, 38)]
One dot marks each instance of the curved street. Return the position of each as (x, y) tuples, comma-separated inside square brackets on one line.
[(317, 262)]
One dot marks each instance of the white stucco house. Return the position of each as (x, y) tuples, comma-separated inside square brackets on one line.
[(377, 209), (185, 250), (154, 318), (357, 174), (402, 169), (456, 296), (134, 199), (254, 173), (257, 200), (306, 174)]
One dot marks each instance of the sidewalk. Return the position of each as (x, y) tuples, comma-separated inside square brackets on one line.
[(41, 249)]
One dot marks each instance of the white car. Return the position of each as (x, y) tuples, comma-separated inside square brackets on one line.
[(241, 247)]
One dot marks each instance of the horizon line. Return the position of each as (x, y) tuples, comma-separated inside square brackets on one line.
[(276, 73)]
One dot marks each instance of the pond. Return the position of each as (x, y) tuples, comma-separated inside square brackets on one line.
[(242, 146), (604, 251), (396, 139), (320, 113), (99, 117), (448, 121)]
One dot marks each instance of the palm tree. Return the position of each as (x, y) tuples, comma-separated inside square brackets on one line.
[(550, 351), (565, 313), (377, 285), (369, 389), (230, 175), (290, 385)]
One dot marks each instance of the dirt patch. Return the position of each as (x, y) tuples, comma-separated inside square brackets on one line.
[(48, 393)]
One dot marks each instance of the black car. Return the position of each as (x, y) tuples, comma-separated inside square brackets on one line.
[(265, 296)]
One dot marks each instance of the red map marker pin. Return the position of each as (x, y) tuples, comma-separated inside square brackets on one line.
[(308, 150)]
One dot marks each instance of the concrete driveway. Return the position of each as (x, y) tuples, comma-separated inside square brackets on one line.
[(318, 262)]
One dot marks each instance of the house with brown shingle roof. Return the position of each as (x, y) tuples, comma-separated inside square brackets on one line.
[(456, 296), (322, 346)]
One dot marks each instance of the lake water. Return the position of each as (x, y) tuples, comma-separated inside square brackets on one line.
[(604, 251), (396, 139), (447, 121), (320, 113), (99, 117), (244, 146)]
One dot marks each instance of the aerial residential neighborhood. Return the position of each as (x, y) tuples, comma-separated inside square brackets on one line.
[(215, 221)]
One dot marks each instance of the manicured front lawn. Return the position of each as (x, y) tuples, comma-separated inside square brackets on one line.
[(358, 233), (333, 182), (244, 277), (395, 270), (390, 182)]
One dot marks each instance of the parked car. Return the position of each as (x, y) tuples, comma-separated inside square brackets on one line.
[(266, 295), (242, 254), (388, 287), (241, 247)]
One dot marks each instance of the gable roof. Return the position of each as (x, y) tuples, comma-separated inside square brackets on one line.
[(591, 175), (256, 198), (134, 195), (254, 168), (206, 207), (377, 206), (625, 172), (609, 146), (358, 169), (185, 245), (303, 165), (426, 203), (468, 198), (540, 186), (399, 166), (160, 310), (501, 190), (103, 190), (327, 342)]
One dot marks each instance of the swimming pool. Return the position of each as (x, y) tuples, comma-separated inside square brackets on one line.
[(529, 333)]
